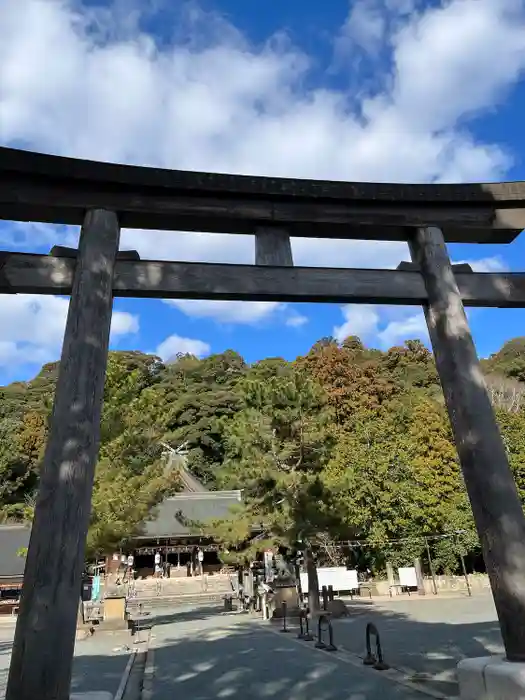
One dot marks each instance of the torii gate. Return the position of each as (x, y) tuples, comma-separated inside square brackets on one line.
[(103, 197)]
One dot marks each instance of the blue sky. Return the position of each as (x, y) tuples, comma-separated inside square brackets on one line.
[(382, 90)]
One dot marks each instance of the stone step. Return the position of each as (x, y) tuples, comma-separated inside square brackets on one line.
[(185, 585), (171, 600)]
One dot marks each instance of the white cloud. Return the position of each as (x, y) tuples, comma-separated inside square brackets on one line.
[(382, 326), (390, 325), (365, 27), (175, 344), (456, 44), (123, 323), (238, 312), (296, 320), (492, 264), (27, 236), (233, 107), (32, 328), (402, 7), (412, 326), (216, 102), (243, 312), (360, 320)]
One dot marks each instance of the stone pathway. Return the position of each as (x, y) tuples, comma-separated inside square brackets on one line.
[(425, 638), (233, 656), (98, 665)]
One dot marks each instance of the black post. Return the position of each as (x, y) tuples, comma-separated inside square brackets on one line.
[(431, 567), (284, 609), (330, 593), (330, 646), (320, 644), (308, 637), (324, 595), (376, 660)]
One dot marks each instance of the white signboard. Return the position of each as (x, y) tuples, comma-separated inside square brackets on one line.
[(407, 576), (339, 577)]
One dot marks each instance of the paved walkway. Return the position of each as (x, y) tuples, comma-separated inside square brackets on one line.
[(425, 638), (98, 665), (205, 656)]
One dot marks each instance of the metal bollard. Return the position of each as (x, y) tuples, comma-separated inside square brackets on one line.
[(330, 593), (324, 595), (284, 609), (370, 659), (320, 644)]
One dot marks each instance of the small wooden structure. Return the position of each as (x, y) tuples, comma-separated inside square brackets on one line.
[(104, 197)]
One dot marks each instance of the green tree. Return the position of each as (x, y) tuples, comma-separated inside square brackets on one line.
[(352, 379), (198, 395), (397, 478), (277, 446)]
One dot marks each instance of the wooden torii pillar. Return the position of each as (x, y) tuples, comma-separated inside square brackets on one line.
[(44, 642), (498, 512)]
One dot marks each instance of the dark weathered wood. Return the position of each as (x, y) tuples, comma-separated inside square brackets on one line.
[(45, 632), (62, 251), (38, 187), (42, 274), (18, 162), (273, 247), (405, 266), (145, 208), (497, 509)]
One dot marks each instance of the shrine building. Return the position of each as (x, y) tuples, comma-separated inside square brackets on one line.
[(170, 530)]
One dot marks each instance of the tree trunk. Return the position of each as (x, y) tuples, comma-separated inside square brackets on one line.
[(313, 581)]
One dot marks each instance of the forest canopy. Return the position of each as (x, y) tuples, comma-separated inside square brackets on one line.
[(346, 449)]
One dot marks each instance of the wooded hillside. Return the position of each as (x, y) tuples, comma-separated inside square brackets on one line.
[(347, 450)]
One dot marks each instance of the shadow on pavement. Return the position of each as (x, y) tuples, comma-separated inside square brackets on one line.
[(247, 661), (205, 653), (96, 666), (165, 616), (98, 672), (427, 651)]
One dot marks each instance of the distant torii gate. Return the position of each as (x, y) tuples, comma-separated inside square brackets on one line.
[(103, 197)]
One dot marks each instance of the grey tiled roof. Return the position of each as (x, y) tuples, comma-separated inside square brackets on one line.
[(190, 483), (12, 539), (196, 507)]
